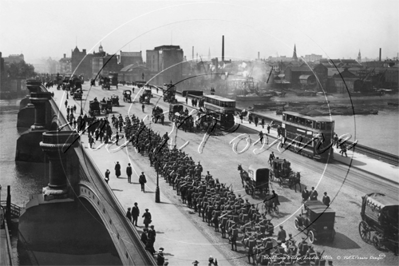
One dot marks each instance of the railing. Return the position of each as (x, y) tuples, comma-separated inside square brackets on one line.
[(9, 249), (15, 209)]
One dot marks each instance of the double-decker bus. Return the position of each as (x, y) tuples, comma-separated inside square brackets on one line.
[(309, 136), (220, 108)]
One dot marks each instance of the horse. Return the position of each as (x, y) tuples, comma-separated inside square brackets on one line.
[(295, 180), (243, 174)]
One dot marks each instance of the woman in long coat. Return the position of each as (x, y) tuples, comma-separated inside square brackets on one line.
[(117, 169)]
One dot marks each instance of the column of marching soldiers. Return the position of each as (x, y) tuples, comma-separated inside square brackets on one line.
[(235, 218)]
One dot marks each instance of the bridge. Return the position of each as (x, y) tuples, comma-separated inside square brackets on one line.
[(72, 173), (212, 159)]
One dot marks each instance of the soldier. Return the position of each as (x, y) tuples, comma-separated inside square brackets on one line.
[(233, 237)]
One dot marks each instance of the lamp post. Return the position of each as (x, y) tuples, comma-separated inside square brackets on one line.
[(157, 192)]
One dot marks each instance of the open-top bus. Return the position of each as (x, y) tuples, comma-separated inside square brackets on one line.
[(220, 108), (309, 136)]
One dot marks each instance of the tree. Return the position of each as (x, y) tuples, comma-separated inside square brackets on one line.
[(20, 70)]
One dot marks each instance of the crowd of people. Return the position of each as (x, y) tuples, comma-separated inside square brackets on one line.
[(233, 217)]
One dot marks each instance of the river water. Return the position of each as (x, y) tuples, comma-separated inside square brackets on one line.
[(26, 179)]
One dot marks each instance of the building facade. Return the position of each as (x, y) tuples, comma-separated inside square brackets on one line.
[(165, 64)]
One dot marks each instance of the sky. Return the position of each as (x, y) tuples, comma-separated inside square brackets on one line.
[(334, 29)]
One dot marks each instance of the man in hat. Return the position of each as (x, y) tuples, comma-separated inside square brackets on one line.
[(135, 213), (160, 257), (281, 235), (142, 181), (106, 178), (129, 173), (151, 233), (313, 194), (195, 263), (147, 218)]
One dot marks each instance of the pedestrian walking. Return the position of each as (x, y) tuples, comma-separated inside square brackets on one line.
[(313, 194), (261, 137), (129, 215), (135, 213), (281, 235), (107, 173), (147, 218), (152, 233), (256, 121), (91, 141), (66, 103), (326, 199), (343, 150), (117, 169), (133, 89), (142, 181), (305, 194), (263, 123), (142, 107), (268, 128), (129, 173), (160, 257), (117, 138)]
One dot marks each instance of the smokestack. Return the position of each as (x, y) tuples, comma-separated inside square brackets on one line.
[(258, 55), (380, 54), (223, 48), (193, 53)]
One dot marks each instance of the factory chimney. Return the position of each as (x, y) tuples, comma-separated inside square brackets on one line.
[(380, 55), (223, 48)]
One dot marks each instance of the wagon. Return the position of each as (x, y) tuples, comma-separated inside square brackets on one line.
[(94, 108), (127, 96), (256, 180), (317, 221), (145, 96), (115, 100), (106, 83), (77, 95), (281, 172), (175, 110), (157, 114), (169, 93), (379, 224)]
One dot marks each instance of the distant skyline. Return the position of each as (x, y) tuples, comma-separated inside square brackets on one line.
[(333, 29)]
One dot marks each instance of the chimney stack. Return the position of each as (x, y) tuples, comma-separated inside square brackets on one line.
[(380, 55), (258, 55), (223, 48)]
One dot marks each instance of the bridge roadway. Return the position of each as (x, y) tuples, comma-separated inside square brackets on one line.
[(344, 184)]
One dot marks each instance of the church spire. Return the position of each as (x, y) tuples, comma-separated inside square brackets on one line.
[(359, 57), (294, 55)]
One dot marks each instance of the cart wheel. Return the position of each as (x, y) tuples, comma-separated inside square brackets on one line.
[(311, 236), (296, 224), (364, 231), (377, 243)]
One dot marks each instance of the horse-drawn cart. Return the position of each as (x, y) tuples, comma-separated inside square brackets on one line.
[(157, 115), (115, 100), (282, 173), (256, 180), (175, 110), (127, 96), (317, 221), (379, 223)]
